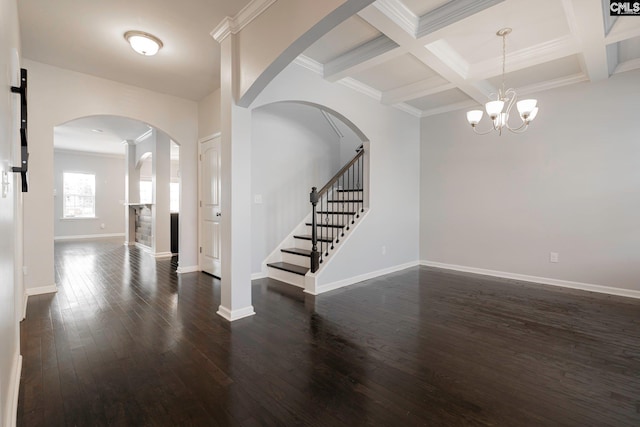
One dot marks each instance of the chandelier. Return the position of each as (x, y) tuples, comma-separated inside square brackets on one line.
[(499, 108)]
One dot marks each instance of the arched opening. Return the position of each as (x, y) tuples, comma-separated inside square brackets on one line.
[(295, 146), (118, 178)]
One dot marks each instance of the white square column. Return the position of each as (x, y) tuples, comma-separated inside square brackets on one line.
[(236, 192)]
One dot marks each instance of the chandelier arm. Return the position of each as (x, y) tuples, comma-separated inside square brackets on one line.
[(492, 129), (521, 129)]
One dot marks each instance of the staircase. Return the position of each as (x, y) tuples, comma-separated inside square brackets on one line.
[(335, 210)]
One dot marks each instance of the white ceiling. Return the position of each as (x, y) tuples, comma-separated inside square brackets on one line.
[(427, 57), (88, 36), (422, 56)]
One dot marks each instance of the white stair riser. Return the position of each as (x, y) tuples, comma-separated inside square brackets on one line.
[(341, 207), (285, 276), (303, 261), (326, 232)]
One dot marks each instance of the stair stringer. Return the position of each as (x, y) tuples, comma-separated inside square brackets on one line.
[(311, 279), (276, 254)]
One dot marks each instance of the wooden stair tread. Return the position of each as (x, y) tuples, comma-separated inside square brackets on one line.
[(347, 190), (297, 251), (291, 268), (345, 201), (308, 237), (335, 213), (326, 225)]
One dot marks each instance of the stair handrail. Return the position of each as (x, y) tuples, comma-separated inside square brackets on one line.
[(341, 172), (314, 198)]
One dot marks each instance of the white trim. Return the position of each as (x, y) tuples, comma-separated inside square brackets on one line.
[(364, 56), (208, 137), (552, 84), (51, 289), (13, 391), (261, 275), (24, 306), (416, 112), (76, 218), (627, 66), (129, 243), (143, 248), (162, 254), (356, 279), (309, 64), (450, 13), (450, 107), (361, 87), (190, 269), (535, 279), (399, 14), (88, 236), (87, 153), (232, 315), (243, 18)]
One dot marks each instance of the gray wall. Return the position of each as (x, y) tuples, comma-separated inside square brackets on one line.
[(293, 149), (570, 184), (110, 172)]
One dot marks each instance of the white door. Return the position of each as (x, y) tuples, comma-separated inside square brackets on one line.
[(210, 206)]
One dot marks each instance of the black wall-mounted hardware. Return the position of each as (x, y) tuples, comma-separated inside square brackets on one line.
[(24, 152)]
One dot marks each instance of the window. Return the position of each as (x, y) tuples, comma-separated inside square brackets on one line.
[(79, 199)]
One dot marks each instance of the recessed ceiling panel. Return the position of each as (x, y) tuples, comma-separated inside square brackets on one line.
[(397, 72), (533, 23), (350, 34), (552, 70), (439, 100), (421, 7), (629, 49)]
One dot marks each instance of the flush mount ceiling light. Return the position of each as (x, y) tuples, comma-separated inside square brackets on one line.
[(505, 97), (144, 43)]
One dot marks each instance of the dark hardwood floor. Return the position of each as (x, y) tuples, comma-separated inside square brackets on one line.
[(127, 342)]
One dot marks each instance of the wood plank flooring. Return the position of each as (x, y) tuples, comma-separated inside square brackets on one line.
[(127, 342)]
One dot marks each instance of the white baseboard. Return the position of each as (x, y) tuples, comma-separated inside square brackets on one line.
[(260, 275), (52, 289), (88, 236), (162, 255), (535, 279), (238, 314), (356, 279), (129, 243), (191, 269), (14, 389), (24, 306)]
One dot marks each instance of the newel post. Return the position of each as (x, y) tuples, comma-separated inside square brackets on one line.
[(315, 255)]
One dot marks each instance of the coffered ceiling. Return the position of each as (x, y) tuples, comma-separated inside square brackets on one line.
[(426, 57)]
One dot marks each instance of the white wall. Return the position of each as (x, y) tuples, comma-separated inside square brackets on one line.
[(57, 96), (109, 172), (570, 184), (10, 286), (209, 115), (393, 220), (293, 148)]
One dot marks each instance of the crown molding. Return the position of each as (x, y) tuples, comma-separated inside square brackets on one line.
[(400, 14), (309, 64), (450, 13), (88, 153), (450, 57), (416, 112), (233, 25), (450, 107), (361, 87)]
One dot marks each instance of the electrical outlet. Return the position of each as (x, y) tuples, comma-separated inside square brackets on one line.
[(257, 199), (102, 226), (554, 257)]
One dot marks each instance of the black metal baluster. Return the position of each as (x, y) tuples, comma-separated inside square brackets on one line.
[(315, 255), (358, 185), (344, 217), (353, 197)]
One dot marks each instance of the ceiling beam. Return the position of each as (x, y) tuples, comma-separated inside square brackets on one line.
[(365, 56), (444, 61), (587, 24), (450, 13)]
